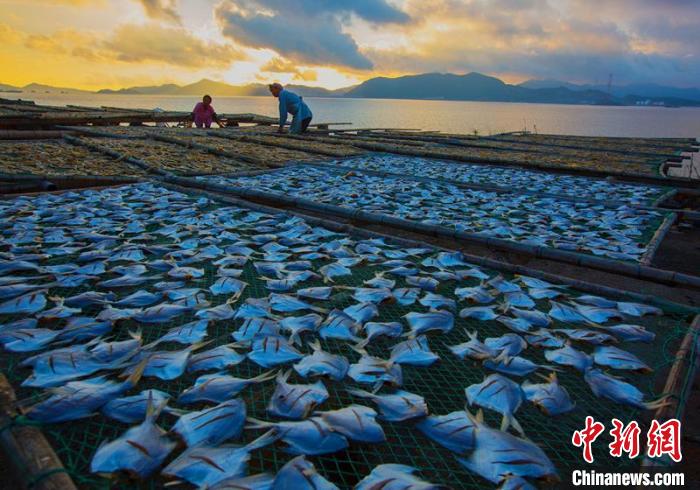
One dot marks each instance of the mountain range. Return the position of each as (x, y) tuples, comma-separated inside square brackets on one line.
[(430, 86)]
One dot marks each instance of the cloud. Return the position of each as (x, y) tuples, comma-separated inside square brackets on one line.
[(306, 31), (161, 9), (172, 45), (280, 65), (47, 44), (9, 35), (318, 41)]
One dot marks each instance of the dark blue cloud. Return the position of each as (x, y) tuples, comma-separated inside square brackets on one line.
[(317, 40), (377, 11), (307, 31)]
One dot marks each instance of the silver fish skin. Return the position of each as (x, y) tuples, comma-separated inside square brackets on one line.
[(139, 299), (422, 282), (362, 312), (377, 329), (187, 334), (212, 426), (592, 337), (473, 349), (217, 313), (502, 285), (437, 301), (615, 358), (476, 294), (433, 320), (483, 313), (379, 281), (161, 313), (217, 358), (14, 290), (597, 314), (339, 325), (295, 402), (568, 356), (372, 295), (261, 481), (139, 451), (311, 437), (80, 399), (534, 317), (396, 407), (406, 296), (395, 476), (273, 351), (256, 327), (356, 422), (300, 474), (499, 455), (455, 431), (544, 339), (27, 304), (550, 398), (335, 269), (219, 387), (596, 301), (320, 293), (375, 371), (134, 409), (510, 343), (205, 466), (228, 285), (165, 365), (414, 352), (565, 313), (637, 309), (321, 363), (27, 339), (499, 394), (632, 333), (285, 303), (605, 386), (513, 365)]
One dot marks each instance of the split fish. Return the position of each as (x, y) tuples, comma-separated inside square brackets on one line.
[(396, 407)]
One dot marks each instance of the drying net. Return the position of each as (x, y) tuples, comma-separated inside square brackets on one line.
[(442, 384), (618, 233)]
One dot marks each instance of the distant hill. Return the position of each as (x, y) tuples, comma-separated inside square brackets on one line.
[(214, 88), (9, 88), (472, 86), (430, 86), (638, 90)]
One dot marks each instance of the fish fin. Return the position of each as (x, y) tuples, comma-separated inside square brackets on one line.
[(264, 440), (175, 411), (473, 335), (551, 368), (199, 345), (137, 335), (516, 425), (319, 310), (315, 345), (362, 344), (283, 376), (360, 393)]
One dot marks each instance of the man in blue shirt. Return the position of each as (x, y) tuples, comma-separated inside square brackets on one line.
[(291, 103)]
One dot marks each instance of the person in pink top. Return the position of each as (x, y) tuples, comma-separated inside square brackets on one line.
[(204, 114)]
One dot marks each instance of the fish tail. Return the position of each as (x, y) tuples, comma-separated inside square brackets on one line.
[(359, 349), (554, 369), (473, 335), (264, 440), (320, 310), (656, 404), (294, 339), (257, 423), (135, 377), (360, 393), (315, 345), (137, 335), (267, 375), (361, 344)]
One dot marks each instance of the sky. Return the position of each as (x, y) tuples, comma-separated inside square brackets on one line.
[(93, 44)]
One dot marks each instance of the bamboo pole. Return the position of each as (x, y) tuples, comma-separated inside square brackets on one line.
[(288, 146), (215, 151), (34, 462), (658, 237)]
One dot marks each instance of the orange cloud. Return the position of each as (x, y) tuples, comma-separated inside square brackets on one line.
[(280, 65)]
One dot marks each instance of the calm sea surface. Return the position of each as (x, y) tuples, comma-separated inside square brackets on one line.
[(448, 116)]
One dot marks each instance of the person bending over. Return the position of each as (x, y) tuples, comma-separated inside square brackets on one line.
[(204, 114), (291, 103)]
